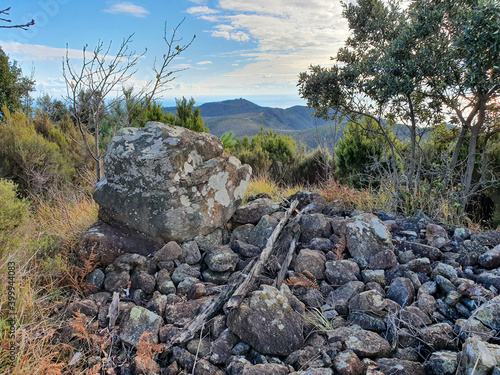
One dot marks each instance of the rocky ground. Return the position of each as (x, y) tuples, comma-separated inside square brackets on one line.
[(364, 294)]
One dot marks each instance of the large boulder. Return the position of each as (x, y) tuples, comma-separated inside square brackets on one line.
[(268, 321), (169, 182)]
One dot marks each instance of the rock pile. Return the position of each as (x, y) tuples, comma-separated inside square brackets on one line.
[(364, 294)]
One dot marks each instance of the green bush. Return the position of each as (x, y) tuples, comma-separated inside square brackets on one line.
[(13, 211), (36, 154)]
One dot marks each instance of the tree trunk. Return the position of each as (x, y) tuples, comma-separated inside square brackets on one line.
[(471, 157)]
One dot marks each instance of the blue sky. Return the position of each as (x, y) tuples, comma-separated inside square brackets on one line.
[(253, 49)]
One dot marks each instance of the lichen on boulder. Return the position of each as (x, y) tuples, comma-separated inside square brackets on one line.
[(169, 182)]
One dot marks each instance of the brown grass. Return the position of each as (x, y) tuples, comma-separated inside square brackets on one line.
[(40, 254)]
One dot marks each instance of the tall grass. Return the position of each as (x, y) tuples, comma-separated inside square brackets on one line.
[(39, 247)]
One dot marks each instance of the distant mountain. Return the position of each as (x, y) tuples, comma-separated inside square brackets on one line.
[(246, 118)]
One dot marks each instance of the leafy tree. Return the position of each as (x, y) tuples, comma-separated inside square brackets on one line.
[(54, 108), (188, 116), (405, 65), (360, 156), (14, 88)]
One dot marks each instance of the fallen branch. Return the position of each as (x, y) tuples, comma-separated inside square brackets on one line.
[(236, 289), (246, 285)]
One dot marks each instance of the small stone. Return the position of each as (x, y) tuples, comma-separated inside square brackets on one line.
[(137, 321), (312, 261), (373, 276), (96, 278), (348, 363), (185, 285), (396, 366), (184, 271), (116, 281), (420, 265), (436, 236), (221, 259), (401, 291), (164, 283), (442, 363), (491, 258), (341, 272), (143, 280), (190, 253), (438, 336), (383, 260), (196, 291)]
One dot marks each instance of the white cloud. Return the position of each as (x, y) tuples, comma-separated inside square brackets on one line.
[(204, 62), (128, 9), (290, 35), (201, 10), (36, 52)]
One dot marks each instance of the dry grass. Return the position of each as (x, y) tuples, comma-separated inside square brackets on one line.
[(41, 267), (264, 184)]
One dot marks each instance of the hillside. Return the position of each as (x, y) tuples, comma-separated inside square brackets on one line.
[(246, 118)]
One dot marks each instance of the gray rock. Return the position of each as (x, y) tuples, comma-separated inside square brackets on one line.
[(127, 262), (369, 321), (363, 343), (164, 283), (262, 231), (171, 251), (366, 236), (420, 265), (107, 243), (96, 278), (340, 297), (265, 369), (412, 316), (489, 313), (182, 312), (190, 253), (491, 258), (245, 249), (370, 300), (478, 357), (396, 366), (438, 336), (383, 260), (490, 279), (221, 259), (184, 271), (340, 272), (427, 303), (465, 328), (312, 261), (219, 278), (436, 236), (242, 233), (267, 321), (253, 211), (169, 182), (86, 307), (222, 347), (348, 363), (158, 304), (401, 291), (313, 226), (137, 321), (373, 276), (441, 363), (143, 280), (116, 281), (322, 244), (444, 270), (204, 367), (185, 285)]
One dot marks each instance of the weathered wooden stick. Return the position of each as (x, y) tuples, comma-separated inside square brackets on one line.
[(209, 310), (234, 287), (246, 285), (286, 263), (293, 245)]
